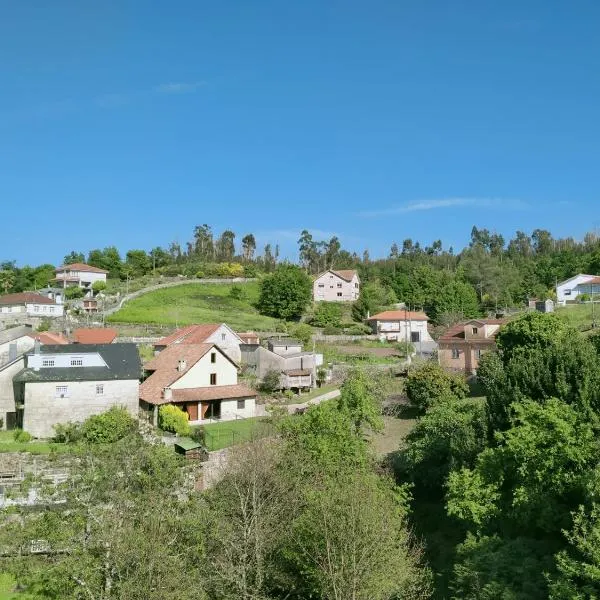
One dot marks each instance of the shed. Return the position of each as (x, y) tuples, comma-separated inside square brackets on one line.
[(190, 449)]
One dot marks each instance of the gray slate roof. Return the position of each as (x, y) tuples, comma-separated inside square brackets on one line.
[(123, 362)]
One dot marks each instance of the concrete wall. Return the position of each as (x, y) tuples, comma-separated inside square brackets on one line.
[(230, 411), (45, 310), (24, 344), (43, 408), (468, 357), (285, 350), (329, 286), (199, 374), (7, 395), (401, 330)]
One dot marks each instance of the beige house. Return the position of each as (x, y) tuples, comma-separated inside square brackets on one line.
[(336, 286), (207, 333), (401, 326), (199, 378), (71, 382), (463, 345)]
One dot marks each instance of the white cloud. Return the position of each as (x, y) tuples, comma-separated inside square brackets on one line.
[(439, 203)]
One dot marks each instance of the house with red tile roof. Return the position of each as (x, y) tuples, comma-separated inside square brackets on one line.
[(79, 274), (29, 304), (336, 286), (401, 326), (463, 345), (201, 379), (49, 337), (95, 335), (206, 333)]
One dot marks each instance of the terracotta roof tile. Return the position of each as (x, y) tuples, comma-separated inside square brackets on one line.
[(80, 267), (95, 335), (24, 298), (456, 333), (346, 274), (192, 334), (216, 392), (399, 315), (49, 337)]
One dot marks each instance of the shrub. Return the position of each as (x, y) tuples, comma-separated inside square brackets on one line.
[(429, 384), (357, 329), (281, 327), (172, 418), (44, 324), (68, 433), (74, 292), (108, 427), (271, 381), (22, 436), (303, 333), (327, 314), (98, 286), (1, 423), (237, 292), (405, 348), (199, 274), (285, 293), (332, 330), (250, 271), (198, 435), (583, 298), (229, 270)]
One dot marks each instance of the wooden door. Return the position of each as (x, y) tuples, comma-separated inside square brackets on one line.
[(205, 406), (192, 411)]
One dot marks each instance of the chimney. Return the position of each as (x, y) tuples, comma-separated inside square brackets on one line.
[(181, 365), (167, 393)]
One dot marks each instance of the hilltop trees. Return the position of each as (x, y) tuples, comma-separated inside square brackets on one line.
[(285, 293)]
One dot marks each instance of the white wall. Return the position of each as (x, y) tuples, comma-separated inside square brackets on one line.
[(43, 408), (199, 374), (400, 330), (45, 310), (228, 341), (230, 411), (24, 343), (329, 285), (566, 290), (90, 359)]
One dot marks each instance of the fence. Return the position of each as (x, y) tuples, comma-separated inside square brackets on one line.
[(239, 432)]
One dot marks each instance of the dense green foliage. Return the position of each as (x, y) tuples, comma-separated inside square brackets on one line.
[(172, 418), (327, 314), (285, 293), (429, 384), (108, 427)]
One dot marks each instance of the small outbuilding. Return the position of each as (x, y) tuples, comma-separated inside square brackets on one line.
[(191, 449)]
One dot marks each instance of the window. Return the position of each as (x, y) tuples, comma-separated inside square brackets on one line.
[(47, 362), (321, 285), (99, 389), (478, 354), (51, 309), (213, 379), (455, 353), (44, 308), (567, 292), (356, 285), (475, 330), (222, 337), (213, 357), (76, 362), (36, 308), (241, 404), (62, 391), (339, 285), (339, 294)]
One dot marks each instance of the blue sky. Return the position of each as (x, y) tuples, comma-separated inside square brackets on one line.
[(129, 122)]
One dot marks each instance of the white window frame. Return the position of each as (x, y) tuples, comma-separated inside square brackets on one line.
[(241, 404), (99, 389), (47, 362), (76, 361), (455, 353), (62, 391)]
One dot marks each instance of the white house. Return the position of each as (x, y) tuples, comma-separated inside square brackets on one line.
[(79, 274), (401, 325), (201, 379), (29, 304), (208, 333), (336, 286), (579, 284), (71, 382)]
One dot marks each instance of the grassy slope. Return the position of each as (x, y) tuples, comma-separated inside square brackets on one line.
[(7, 444), (580, 315), (202, 303)]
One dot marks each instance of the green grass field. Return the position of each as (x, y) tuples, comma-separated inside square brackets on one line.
[(580, 315), (7, 584), (201, 303), (229, 433), (7, 444)]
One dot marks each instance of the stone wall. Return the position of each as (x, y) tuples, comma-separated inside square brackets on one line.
[(7, 396)]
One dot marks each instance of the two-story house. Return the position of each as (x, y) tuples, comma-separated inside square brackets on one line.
[(71, 382), (29, 304), (199, 378), (336, 286), (79, 274), (462, 346), (207, 333), (401, 326)]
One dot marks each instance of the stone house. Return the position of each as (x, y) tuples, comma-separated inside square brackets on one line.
[(29, 304), (336, 286), (79, 274), (208, 333), (463, 345), (201, 379), (401, 326), (71, 382)]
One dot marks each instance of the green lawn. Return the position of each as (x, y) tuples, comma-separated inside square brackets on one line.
[(580, 315), (7, 583), (7, 444), (307, 396), (229, 433), (201, 303)]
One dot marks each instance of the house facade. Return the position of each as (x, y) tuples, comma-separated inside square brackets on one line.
[(336, 286), (71, 382), (401, 326), (201, 379), (462, 346), (208, 333), (30, 304), (79, 274), (570, 289)]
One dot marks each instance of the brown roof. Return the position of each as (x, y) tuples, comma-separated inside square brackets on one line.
[(216, 392), (25, 298), (248, 335), (346, 274), (297, 372), (399, 315), (456, 333), (165, 367), (594, 280), (80, 267), (192, 334), (48, 337), (95, 335)]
